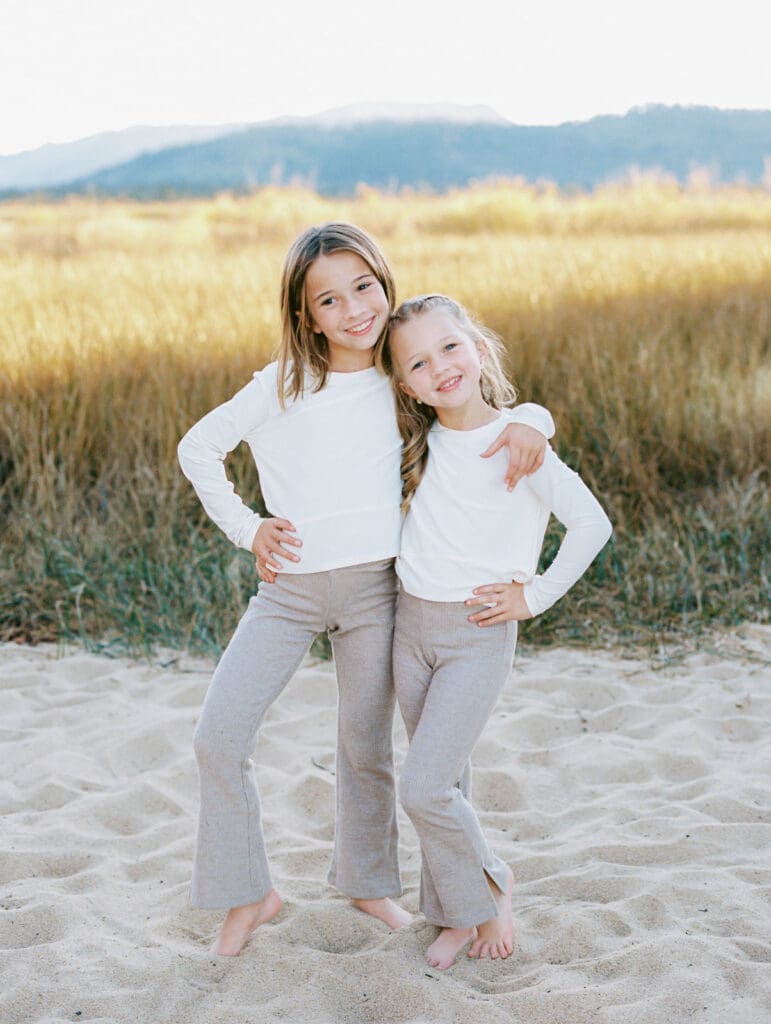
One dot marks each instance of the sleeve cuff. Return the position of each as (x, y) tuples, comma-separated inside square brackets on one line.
[(250, 533), (530, 594)]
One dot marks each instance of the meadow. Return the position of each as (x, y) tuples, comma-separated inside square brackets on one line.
[(639, 314)]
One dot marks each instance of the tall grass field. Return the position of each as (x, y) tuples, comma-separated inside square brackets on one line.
[(639, 314)]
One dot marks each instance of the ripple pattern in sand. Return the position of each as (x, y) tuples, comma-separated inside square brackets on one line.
[(630, 797)]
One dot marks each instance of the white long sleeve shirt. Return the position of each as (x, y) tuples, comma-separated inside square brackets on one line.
[(329, 463), (464, 530)]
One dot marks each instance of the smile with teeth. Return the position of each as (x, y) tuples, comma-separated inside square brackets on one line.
[(450, 384), (362, 328)]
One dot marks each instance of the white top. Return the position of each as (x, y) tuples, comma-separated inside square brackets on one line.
[(464, 530), (329, 463)]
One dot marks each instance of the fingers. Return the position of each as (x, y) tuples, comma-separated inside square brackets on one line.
[(272, 547), (265, 574), (490, 616), (492, 607), (271, 555), (501, 602), (493, 598), (486, 594), (514, 474), (496, 446), (486, 613), (282, 552), (281, 528), (523, 465), (271, 534), (270, 564)]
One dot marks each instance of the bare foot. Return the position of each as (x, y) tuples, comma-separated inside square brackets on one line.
[(385, 910), (496, 936), (442, 951), (241, 922)]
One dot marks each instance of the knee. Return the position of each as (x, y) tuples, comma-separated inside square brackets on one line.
[(415, 796), (214, 745), (366, 746)]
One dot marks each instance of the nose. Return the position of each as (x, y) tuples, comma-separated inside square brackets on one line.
[(354, 306), (438, 365)]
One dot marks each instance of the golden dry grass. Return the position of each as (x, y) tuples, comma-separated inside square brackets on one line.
[(641, 315)]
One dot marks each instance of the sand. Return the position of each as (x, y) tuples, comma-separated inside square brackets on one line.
[(630, 795)]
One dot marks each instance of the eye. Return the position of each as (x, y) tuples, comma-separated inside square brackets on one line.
[(420, 362), (364, 284), (328, 301), (450, 345)]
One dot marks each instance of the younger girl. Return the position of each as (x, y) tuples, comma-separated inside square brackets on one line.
[(321, 426), (465, 534)]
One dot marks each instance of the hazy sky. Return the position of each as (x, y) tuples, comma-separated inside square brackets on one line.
[(70, 68)]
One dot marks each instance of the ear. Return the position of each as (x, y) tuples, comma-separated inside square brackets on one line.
[(311, 323), (408, 391), (482, 349)]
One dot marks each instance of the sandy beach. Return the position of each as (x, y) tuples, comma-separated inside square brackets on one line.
[(630, 794)]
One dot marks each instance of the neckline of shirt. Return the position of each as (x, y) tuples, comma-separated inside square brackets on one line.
[(369, 371), (439, 428)]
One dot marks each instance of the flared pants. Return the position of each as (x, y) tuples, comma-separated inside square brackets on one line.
[(448, 673), (356, 605)]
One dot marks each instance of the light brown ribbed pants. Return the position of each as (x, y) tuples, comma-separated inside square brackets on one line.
[(356, 605), (448, 674)]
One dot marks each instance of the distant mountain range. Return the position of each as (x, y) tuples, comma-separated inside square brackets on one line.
[(56, 164), (397, 146)]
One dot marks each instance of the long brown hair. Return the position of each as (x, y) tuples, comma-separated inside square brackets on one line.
[(300, 350), (414, 418)]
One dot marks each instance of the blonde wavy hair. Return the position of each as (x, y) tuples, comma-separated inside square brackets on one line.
[(301, 353), (414, 418)]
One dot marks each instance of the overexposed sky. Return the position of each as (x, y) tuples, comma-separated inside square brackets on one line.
[(71, 68)]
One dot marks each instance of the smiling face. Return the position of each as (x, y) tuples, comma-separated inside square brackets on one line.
[(440, 365), (346, 303)]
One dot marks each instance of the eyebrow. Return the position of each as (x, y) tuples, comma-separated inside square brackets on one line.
[(329, 291)]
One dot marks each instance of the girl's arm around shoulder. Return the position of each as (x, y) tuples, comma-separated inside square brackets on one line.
[(588, 529), (525, 435), (202, 452)]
